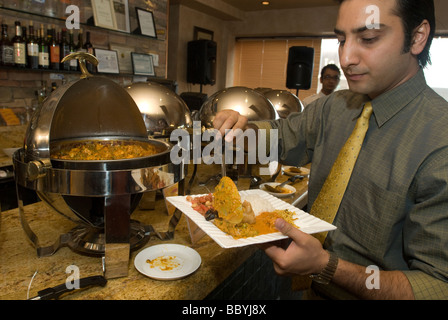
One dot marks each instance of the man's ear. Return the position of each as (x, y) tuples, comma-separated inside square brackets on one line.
[(421, 34)]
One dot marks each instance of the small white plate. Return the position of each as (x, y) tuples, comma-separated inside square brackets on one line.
[(287, 170), (278, 195), (182, 261)]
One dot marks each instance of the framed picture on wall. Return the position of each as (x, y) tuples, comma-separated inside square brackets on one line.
[(146, 24), (143, 64), (202, 34), (124, 56), (121, 9), (107, 61), (104, 14)]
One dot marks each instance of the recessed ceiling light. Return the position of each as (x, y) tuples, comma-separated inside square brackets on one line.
[(265, 3)]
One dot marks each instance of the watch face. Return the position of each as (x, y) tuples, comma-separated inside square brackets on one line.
[(319, 279)]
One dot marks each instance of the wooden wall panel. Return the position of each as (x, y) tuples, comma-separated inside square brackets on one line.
[(262, 63)]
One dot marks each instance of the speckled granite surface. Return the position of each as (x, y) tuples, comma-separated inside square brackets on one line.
[(10, 137), (19, 261)]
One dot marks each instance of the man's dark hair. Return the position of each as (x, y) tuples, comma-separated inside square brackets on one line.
[(412, 14), (330, 66)]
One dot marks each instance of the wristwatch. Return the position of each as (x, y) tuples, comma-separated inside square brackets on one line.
[(325, 276)]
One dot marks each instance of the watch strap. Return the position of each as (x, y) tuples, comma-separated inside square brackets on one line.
[(326, 275)]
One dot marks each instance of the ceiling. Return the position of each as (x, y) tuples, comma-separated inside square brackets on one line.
[(255, 5)]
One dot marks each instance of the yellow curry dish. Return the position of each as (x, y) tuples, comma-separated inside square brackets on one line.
[(104, 150), (227, 201), (236, 217), (264, 224)]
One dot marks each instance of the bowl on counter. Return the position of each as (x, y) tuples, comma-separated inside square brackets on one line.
[(288, 190)]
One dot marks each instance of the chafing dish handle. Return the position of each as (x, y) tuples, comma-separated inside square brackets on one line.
[(56, 292)]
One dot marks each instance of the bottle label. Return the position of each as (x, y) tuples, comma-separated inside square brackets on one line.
[(33, 49), (54, 54), (44, 59), (73, 63), (19, 53), (8, 54)]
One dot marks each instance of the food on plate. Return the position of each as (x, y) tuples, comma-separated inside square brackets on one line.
[(256, 216), (202, 203), (248, 214), (277, 189), (104, 150), (164, 263), (264, 223), (227, 201), (296, 170)]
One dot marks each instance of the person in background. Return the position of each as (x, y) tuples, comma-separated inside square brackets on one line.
[(391, 240), (330, 76)]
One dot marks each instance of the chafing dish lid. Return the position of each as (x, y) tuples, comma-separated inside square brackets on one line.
[(284, 102), (246, 101), (162, 109), (91, 107)]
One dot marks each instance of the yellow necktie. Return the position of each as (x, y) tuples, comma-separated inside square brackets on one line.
[(327, 203)]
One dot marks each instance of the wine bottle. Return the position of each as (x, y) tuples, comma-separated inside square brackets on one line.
[(6, 48), (79, 45), (25, 39), (44, 52), (32, 48), (55, 52), (72, 48), (65, 49), (89, 49), (19, 47)]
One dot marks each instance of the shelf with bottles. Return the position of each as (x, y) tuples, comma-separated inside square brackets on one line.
[(102, 38), (55, 10), (41, 48)]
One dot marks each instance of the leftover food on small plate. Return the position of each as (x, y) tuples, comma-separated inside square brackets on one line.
[(167, 261)]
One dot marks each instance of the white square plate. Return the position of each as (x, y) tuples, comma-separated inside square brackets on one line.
[(306, 222)]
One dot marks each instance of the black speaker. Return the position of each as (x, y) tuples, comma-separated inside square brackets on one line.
[(299, 72), (201, 62), (194, 100)]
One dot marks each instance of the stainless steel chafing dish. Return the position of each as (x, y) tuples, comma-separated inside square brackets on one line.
[(248, 102), (100, 195), (284, 102), (162, 109)]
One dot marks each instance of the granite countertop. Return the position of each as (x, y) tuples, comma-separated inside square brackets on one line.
[(10, 137), (19, 261)]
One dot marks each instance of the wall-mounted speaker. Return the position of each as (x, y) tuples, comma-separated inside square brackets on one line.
[(299, 72), (201, 62)]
